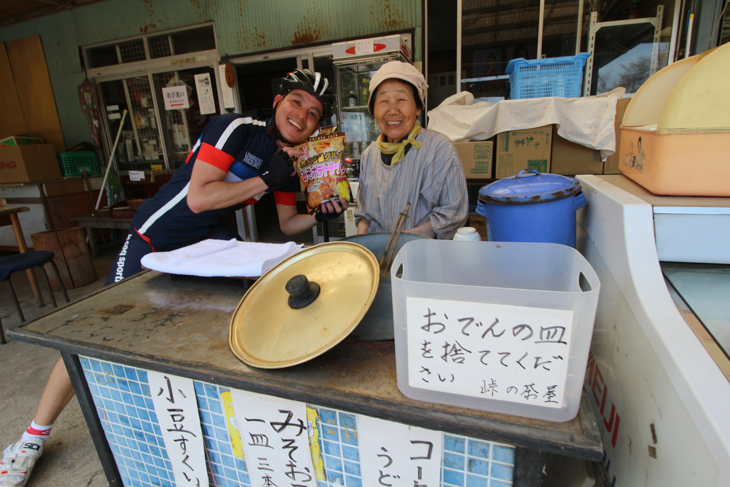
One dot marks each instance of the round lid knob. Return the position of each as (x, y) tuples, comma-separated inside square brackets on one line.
[(302, 293)]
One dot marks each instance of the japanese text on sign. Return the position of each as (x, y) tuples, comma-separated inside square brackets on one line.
[(364, 46), (275, 440), (396, 454), (177, 414), (491, 351), (176, 97)]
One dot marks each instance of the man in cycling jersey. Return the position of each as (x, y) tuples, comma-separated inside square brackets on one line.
[(234, 163)]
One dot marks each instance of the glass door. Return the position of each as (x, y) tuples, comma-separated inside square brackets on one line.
[(139, 141), (183, 119), (156, 131), (353, 91)]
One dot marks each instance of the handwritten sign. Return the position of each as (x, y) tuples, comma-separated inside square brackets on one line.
[(398, 454), (364, 46), (275, 440), (176, 97), (491, 351), (136, 175), (177, 413)]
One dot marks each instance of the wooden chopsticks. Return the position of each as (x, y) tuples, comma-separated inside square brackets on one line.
[(395, 233)]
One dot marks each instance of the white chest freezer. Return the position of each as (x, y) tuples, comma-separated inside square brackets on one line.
[(658, 374)]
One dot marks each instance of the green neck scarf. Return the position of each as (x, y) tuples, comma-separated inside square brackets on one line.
[(399, 148)]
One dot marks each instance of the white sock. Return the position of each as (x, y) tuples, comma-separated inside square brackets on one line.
[(37, 431)]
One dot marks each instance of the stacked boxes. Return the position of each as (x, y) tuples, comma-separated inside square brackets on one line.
[(27, 163), (20, 140), (523, 149), (476, 157)]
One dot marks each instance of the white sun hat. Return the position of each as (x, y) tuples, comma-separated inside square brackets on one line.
[(400, 71)]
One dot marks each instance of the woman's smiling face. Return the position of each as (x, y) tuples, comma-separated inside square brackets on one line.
[(395, 109)]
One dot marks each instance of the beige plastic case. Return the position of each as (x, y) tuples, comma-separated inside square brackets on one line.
[(676, 130)]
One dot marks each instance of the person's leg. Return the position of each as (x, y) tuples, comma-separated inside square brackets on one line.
[(128, 260), (20, 458), (57, 394)]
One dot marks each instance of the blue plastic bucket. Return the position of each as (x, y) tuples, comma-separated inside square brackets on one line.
[(531, 207)]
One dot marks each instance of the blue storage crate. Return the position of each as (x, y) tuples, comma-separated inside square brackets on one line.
[(539, 78)]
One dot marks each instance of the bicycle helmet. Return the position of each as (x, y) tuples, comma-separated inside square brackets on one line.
[(311, 82)]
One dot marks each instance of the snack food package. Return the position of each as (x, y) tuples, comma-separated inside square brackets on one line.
[(322, 169)]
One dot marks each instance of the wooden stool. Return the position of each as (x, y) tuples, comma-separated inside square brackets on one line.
[(72, 256), (21, 262)]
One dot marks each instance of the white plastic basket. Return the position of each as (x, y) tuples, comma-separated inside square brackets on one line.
[(496, 326)]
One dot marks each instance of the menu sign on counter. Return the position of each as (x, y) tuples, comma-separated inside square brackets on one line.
[(491, 351), (176, 407), (275, 439), (399, 454)]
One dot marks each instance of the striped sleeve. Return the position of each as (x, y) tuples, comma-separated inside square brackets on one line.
[(215, 157)]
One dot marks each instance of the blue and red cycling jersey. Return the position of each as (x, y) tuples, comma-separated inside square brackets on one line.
[(239, 145)]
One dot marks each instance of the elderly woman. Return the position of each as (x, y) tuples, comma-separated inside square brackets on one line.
[(407, 163)]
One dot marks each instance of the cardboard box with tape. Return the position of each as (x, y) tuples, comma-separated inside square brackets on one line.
[(523, 149), (28, 163), (476, 157), (568, 158)]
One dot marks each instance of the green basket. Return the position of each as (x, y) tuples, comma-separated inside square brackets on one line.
[(74, 162)]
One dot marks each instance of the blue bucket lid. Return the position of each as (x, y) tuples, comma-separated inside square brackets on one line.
[(529, 188)]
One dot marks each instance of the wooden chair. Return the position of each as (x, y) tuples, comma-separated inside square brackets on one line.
[(21, 262)]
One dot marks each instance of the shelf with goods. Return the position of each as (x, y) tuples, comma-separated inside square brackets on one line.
[(353, 87)]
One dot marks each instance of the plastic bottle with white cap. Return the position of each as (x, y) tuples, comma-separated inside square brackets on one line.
[(467, 234)]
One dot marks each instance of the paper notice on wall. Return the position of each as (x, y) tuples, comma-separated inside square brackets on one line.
[(176, 97), (364, 46), (492, 351), (398, 454), (136, 175), (204, 87), (225, 89), (275, 439), (177, 414)]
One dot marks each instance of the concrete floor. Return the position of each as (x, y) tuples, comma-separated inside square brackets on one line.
[(70, 458)]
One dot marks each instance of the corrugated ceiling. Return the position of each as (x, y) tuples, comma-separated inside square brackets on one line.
[(14, 11)]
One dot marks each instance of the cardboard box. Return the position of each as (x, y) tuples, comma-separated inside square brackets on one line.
[(476, 157), (478, 222), (612, 163), (20, 140), (569, 158), (523, 149), (27, 163)]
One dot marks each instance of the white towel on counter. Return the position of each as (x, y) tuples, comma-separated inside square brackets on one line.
[(221, 258)]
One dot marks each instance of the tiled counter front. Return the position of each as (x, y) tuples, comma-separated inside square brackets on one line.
[(124, 406)]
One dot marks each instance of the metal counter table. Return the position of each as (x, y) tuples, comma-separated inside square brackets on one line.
[(180, 325)]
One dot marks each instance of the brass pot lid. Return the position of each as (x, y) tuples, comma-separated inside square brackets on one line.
[(340, 280)]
